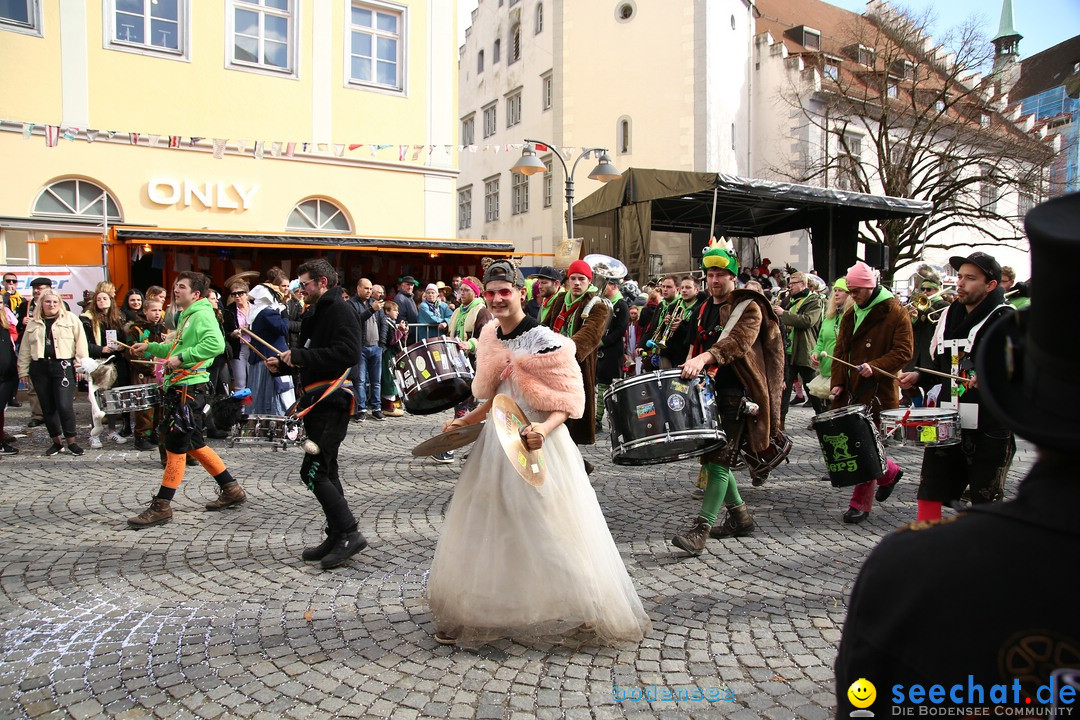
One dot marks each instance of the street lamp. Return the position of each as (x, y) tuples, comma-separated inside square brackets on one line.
[(530, 164)]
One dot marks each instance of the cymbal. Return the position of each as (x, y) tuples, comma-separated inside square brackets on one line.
[(248, 275), (452, 440), (509, 419)]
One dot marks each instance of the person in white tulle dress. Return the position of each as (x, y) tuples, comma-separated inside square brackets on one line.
[(514, 560)]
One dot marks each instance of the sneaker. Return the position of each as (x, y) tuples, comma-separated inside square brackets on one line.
[(117, 438), (142, 443), (74, 449), (445, 458), (95, 442), (318, 552), (377, 415), (360, 416), (348, 544), (6, 449), (54, 449)]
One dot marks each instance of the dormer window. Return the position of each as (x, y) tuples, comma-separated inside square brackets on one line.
[(808, 37), (861, 54), (904, 69), (832, 71)]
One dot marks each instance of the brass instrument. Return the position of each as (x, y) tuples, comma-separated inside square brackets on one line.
[(921, 301)]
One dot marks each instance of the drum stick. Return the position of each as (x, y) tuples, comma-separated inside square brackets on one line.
[(944, 375), (123, 345), (253, 348), (276, 351), (845, 362), (149, 362)]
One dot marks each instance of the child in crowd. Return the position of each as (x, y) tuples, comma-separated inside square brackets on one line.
[(391, 399)]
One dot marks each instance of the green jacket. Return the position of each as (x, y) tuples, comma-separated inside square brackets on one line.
[(826, 340), (803, 320), (198, 339)]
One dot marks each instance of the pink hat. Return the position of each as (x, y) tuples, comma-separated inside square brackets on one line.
[(580, 267), (860, 275)]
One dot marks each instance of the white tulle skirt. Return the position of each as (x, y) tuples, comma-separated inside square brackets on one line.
[(532, 564)]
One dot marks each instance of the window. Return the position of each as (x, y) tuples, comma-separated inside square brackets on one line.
[(489, 120), (515, 43), (988, 192), (468, 130), (491, 199), (1024, 202), (894, 91), (376, 53), (153, 25), (622, 132), (984, 120), (519, 193), (262, 34), (496, 51), (547, 181), (811, 39), (513, 108), (76, 198), (832, 71), (547, 85), (866, 56), (848, 163), (539, 18), (464, 208), (479, 62), (21, 16), (318, 214), (940, 106)]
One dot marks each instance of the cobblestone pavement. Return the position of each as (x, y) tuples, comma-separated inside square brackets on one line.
[(215, 616)]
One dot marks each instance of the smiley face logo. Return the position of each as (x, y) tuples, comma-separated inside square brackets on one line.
[(862, 693)]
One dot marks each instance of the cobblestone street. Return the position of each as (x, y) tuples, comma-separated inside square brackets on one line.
[(216, 616)]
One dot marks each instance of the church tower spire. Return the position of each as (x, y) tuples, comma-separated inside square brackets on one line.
[(1007, 40)]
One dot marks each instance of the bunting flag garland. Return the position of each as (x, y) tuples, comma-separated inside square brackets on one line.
[(193, 141), (174, 141), (219, 148), (70, 132), (52, 135), (356, 146), (27, 130), (153, 140), (91, 135), (110, 134), (321, 147), (304, 147), (133, 138), (275, 149), (290, 149), (339, 150), (241, 146)]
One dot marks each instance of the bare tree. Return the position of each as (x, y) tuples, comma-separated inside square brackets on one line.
[(885, 112)]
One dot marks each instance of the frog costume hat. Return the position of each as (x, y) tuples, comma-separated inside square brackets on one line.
[(717, 255)]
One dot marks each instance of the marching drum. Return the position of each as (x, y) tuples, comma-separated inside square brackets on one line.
[(850, 445), (276, 431), (921, 427), (762, 463), (433, 375), (129, 397), (659, 417)]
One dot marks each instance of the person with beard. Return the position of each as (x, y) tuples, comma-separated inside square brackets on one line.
[(984, 455), (546, 284), (738, 344), (684, 328), (581, 315), (407, 305), (923, 324), (609, 358), (660, 325), (328, 347)]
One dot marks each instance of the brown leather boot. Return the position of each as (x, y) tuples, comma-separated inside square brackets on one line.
[(737, 524), (228, 494), (159, 513), (693, 541)]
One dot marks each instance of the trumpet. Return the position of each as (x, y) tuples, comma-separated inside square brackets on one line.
[(921, 301)]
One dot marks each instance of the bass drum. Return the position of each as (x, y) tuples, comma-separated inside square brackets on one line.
[(433, 375), (850, 445), (659, 417)]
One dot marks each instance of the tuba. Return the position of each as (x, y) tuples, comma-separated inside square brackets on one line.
[(609, 267)]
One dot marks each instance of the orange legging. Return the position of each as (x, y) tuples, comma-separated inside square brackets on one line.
[(176, 462)]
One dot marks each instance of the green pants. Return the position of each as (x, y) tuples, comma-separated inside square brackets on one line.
[(721, 491)]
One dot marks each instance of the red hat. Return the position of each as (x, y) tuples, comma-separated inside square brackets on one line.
[(580, 267)]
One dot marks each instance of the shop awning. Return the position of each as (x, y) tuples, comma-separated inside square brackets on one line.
[(159, 236)]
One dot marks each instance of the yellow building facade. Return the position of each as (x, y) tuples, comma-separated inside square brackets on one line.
[(230, 135)]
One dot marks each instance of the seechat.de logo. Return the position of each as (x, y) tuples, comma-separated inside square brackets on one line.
[(862, 695)]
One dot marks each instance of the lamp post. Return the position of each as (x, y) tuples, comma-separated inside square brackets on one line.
[(530, 164)]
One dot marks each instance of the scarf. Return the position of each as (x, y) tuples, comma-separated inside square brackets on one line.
[(561, 325), (463, 315)]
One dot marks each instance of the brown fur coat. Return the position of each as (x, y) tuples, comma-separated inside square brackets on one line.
[(590, 331), (755, 351), (547, 380), (884, 340)]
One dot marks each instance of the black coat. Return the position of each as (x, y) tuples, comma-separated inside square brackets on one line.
[(990, 593), (609, 357), (329, 342)]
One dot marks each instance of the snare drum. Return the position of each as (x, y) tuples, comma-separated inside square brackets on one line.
[(921, 427), (850, 445), (433, 375), (268, 430), (659, 417), (127, 398)]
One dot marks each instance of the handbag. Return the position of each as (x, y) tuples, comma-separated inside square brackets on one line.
[(819, 387)]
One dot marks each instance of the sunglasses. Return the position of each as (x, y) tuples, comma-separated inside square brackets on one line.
[(11, 280), (504, 293), (238, 293)]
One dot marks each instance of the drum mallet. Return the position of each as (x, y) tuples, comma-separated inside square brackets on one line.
[(253, 348), (845, 362), (274, 349), (944, 375)]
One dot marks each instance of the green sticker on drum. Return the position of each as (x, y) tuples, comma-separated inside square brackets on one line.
[(928, 433), (425, 374)]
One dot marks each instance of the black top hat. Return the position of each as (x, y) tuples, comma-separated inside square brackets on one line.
[(41, 281), (547, 272), (1027, 362), (981, 260)]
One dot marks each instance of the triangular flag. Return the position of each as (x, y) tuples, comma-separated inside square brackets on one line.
[(154, 140), (52, 135), (133, 138), (472, 148), (219, 147), (356, 146), (416, 152), (174, 141), (290, 148), (304, 147), (275, 149), (27, 130), (257, 151), (110, 134), (321, 147), (91, 135), (242, 146), (193, 141), (70, 133), (541, 147), (339, 150)]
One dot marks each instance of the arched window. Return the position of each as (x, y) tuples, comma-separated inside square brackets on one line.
[(479, 62), (318, 214), (622, 132), (539, 18), (515, 43), (76, 198)]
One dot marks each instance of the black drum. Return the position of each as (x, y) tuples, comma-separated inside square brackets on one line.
[(850, 445), (659, 417), (433, 375)]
